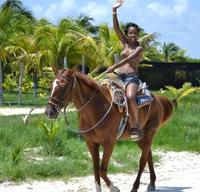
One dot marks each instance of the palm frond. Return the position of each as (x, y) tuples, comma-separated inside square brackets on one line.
[(146, 39)]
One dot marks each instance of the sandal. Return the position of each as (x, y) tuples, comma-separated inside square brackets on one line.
[(136, 134)]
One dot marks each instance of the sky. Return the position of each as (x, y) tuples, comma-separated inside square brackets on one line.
[(176, 21)]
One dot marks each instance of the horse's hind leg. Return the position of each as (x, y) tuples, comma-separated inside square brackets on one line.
[(151, 186), (145, 146), (94, 151), (107, 151)]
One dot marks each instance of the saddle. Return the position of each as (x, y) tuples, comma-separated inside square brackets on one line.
[(116, 89)]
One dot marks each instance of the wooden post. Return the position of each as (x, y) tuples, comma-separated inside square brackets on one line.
[(116, 58), (35, 82), (21, 70), (83, 64), (65, 63), (1, 82)]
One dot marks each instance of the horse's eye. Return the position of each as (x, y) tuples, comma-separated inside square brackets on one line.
[(63, 83)]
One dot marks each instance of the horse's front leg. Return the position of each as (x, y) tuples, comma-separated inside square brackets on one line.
[(107, 151), (94, 151)]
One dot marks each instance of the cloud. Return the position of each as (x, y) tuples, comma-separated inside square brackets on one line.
[(160, 9), (37, 11), (100, 13), (178, 8), (56, 11), (65, 8)]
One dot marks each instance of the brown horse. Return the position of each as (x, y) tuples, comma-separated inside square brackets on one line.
[(99, 121)]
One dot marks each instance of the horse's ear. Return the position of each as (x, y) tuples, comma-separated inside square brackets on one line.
[(55, 70)]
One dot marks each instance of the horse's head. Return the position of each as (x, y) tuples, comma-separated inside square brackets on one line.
[(60, 92)]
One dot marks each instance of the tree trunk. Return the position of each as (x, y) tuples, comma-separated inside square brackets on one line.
[(21, 71), (1, 82), (35, 82)]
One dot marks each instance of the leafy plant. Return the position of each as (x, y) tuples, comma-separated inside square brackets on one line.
[(10, 82), (50, 129), (179, 94), (55, 144), (27, 84), (17, 153)]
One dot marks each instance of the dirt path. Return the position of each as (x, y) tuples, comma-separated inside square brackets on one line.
[(176, 172), (6, 111)]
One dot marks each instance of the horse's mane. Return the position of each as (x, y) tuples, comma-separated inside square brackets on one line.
[(91, 83)]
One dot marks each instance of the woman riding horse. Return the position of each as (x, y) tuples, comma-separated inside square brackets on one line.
[(99, 120), (128, 68)]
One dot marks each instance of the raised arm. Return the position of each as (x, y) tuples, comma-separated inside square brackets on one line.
[(117, 29)]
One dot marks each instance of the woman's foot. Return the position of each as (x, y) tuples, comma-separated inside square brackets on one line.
[(136, 134)]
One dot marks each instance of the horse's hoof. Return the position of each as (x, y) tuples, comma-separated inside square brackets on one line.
[(134, 190), (151, 188), (113, 188), (98, 187)]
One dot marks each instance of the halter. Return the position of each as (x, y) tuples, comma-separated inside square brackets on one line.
[(59, 102), (58, 108)]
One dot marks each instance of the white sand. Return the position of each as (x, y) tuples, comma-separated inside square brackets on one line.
[(176, 172), (6, 111)]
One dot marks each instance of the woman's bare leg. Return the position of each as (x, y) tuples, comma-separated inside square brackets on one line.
[(131, 91)]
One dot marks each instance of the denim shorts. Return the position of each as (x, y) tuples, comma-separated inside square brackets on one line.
[(127, 78)]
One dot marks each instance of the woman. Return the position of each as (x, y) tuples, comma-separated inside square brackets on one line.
[(128, 68)]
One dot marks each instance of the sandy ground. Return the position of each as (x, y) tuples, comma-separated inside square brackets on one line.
[(176, 172), (20, 111)]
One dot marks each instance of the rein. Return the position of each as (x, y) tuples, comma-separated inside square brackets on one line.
[(94, 126), (58, 108)]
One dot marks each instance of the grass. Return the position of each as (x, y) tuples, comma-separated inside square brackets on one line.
[(23, 148), (182, 131), (26, 151), (11, 98)]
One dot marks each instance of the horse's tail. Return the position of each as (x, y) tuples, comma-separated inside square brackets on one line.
[(167, 108)]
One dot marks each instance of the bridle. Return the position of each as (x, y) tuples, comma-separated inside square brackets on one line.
[(66, 93), (58, 103)]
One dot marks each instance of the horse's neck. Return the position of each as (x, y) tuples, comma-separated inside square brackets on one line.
[(87, 99)]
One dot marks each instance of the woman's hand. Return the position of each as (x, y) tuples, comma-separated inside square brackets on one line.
[(117, 4), (110, 69)]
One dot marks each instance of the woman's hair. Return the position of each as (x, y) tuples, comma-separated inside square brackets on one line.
[(131, 25)]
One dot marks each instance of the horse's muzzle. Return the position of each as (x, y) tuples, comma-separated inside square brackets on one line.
[(51, 112)]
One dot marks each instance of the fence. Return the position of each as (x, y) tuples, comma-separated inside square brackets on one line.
[(159, 74)]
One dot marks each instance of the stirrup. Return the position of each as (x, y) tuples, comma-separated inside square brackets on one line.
[(136, 134)]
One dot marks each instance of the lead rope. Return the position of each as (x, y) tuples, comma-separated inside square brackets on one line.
[(94, 126), (65, 112)]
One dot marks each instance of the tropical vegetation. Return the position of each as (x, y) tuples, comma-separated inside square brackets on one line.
[(29, 47)]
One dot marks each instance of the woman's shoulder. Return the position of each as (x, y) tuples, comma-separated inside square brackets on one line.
[(139, 47)]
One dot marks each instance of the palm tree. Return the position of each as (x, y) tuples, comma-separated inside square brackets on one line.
[(58, 42), (86, 22), (13, 19), (101, 49), (18, 50), (169, 50)]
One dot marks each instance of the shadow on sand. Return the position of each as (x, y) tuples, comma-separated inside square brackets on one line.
[(172, 189)]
